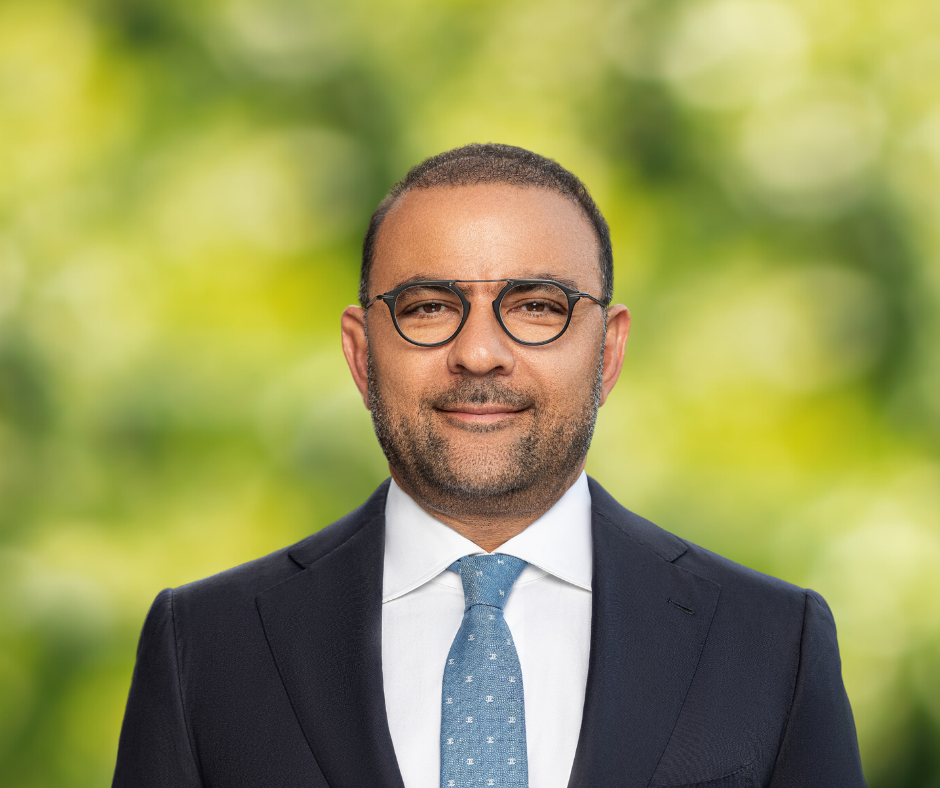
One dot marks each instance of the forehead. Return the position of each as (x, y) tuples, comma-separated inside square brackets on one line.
[(485, 231)]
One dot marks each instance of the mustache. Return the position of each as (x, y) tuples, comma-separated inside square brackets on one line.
[(480, 392)]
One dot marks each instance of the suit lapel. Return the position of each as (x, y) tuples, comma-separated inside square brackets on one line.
[(649, 622), (324, 628)]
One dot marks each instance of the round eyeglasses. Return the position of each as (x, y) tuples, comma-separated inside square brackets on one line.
[(531, 311)]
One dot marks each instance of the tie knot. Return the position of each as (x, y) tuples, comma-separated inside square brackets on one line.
[(487, 579)]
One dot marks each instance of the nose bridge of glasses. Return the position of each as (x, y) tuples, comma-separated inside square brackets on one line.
[(482, 305), (481, 324)]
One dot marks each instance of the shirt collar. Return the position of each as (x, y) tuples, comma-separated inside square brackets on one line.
[(418, 547)]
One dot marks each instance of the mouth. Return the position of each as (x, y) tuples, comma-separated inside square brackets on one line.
[(492, 413)]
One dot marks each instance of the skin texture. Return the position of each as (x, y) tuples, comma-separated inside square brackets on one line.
[(484, 433)]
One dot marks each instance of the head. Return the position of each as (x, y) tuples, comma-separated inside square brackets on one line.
[(483, 426)]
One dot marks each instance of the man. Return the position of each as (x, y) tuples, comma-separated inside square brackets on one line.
[(490, 616)]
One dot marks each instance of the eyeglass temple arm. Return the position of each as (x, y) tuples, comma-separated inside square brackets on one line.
[(595, 300)]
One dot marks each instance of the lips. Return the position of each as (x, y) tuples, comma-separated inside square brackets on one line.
[(480, 410), (481, 414)]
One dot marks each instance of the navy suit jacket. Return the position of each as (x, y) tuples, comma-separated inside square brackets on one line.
[(702, 673)]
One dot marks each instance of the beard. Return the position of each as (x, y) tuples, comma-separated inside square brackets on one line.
[(478, 477)]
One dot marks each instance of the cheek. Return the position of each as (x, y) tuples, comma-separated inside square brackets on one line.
[(575, 385), (565, 379), (403, 376)]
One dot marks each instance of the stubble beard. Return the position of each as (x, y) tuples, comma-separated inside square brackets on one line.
[(525, 475)]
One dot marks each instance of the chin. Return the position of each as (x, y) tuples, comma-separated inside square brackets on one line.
[(503, 478)]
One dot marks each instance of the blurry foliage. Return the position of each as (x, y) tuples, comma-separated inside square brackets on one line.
[(185, 187)]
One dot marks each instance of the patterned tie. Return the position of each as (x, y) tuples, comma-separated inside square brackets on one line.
[(482, 709)]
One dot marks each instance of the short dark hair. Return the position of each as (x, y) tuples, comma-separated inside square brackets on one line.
[(493, 163)]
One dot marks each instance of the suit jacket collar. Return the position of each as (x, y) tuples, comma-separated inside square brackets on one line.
[(650, 619), (324, 628)]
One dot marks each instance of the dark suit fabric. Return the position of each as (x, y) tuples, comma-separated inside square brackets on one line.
[(702, 673)]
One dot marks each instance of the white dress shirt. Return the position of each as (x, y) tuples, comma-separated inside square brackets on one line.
[(548, 612)]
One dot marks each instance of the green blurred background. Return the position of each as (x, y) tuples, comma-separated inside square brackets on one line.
[(184, 185)]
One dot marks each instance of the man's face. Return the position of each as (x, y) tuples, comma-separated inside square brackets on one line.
[(483, 423)]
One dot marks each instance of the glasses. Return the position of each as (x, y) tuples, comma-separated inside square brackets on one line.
[(531, 311)]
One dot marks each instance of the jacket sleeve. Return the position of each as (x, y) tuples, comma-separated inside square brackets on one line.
[(156, 748), (819, 747)]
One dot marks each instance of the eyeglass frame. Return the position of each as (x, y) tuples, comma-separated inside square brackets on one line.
[(572, 294)]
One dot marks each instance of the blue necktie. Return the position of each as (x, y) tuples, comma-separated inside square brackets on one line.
[(482, 706)]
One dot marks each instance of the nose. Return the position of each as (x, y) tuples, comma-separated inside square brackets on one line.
[(481, 347)]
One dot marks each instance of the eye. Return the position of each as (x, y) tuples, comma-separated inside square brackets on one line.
[(425, 308), (535, 300), (533, 306), (424, 302)]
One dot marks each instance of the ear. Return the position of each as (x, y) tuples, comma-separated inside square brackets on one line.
[(356, 349), (618, 328)]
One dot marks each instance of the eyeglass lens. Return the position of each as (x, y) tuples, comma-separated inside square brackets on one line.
[(530, 312)]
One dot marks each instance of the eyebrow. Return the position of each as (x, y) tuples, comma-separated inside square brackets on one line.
[(418, 278), (422, 277)]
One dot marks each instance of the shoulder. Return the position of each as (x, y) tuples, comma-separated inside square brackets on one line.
[(238, 586), (736, 580)]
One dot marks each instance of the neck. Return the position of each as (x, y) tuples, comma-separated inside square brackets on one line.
[(491, 530)]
